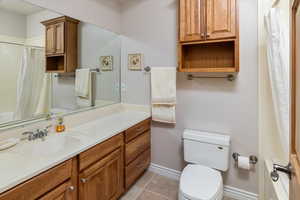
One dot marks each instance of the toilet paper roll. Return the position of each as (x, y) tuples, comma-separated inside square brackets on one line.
[(244, 163)]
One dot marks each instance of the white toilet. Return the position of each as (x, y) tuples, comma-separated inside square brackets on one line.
[(208, 155)]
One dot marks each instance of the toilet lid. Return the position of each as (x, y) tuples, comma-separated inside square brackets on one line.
[(198, 182)]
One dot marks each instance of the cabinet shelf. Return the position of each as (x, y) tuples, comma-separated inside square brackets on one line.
[(55, 64), (209, 57)]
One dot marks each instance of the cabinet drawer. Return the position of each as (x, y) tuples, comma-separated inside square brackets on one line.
[(99, 151), (137, 130), (136, 146), (41, 184), (62, 192), (136, 168)]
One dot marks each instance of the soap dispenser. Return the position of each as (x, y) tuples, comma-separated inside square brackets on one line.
[(60, 127)]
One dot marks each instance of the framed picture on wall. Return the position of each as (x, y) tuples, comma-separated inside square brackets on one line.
[(106, 63), (135, 61)]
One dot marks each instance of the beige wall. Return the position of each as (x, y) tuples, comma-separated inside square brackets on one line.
[(150, 27)]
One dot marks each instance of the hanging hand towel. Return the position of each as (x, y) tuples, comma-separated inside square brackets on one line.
[(82, 82), (84, 88), (163, 85), (163, 89)]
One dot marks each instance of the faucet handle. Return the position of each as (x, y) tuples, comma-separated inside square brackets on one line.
[(28, 133), (48, 127), (46, 130)]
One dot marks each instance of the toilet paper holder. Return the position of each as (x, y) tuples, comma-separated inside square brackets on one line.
[(252, 159)]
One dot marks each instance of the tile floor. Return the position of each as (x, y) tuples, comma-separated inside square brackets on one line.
[(154, 187)]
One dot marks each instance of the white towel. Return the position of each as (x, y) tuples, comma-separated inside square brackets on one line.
[(44, 104), (163, 85), (163, 113), (163, 89), (82, 82), (84, 98)]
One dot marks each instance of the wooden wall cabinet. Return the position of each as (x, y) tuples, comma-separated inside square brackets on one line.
[(61, 44), (208, 36)]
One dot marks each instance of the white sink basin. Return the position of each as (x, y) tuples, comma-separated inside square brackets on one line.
[(50, 146)]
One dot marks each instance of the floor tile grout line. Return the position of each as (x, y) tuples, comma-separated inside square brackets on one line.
[(157, 194), (144, 188), (149, 181), (154, 175)]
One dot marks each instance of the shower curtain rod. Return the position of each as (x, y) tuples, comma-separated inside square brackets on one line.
[(13, 43)]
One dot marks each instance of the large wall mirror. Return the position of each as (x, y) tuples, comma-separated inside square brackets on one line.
[(49, 65)]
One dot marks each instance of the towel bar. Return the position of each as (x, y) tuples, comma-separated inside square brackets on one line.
[(96, 70), (230, 77)]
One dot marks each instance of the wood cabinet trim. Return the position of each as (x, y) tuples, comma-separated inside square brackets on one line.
[(60, 19)]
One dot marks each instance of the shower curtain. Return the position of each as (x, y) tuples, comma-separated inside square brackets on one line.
[(33, 84), (278, 67)]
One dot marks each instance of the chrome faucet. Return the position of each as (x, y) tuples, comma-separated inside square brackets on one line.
[(33, 135)]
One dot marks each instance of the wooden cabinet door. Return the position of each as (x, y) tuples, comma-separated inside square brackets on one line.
[(50, 39), (104, 179), (221, 19), (62, 192), (192, 23), (59, 38)]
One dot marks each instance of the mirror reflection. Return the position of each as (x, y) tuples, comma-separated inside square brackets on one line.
[(53, 64)]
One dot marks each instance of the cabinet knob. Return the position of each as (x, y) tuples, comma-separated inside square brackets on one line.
[(71, 188), (202, 35), (207, 34), (83, 180)]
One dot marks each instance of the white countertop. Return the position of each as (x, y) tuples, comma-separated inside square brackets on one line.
[(17, 166)]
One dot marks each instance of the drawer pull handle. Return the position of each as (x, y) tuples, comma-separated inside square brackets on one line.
[(83, 180), (71, 188)]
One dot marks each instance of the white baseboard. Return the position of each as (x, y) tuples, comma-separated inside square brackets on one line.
[(239, 194), (164, 171), (229, 191)]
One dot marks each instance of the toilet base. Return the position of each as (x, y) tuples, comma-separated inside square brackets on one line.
[(182, 197)]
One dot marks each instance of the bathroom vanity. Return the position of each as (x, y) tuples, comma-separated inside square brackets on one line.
[(102, 166)]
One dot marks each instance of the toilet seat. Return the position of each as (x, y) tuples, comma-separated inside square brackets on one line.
[(199, 182)]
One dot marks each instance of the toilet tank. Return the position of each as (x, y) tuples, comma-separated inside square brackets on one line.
[(208, 149)]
